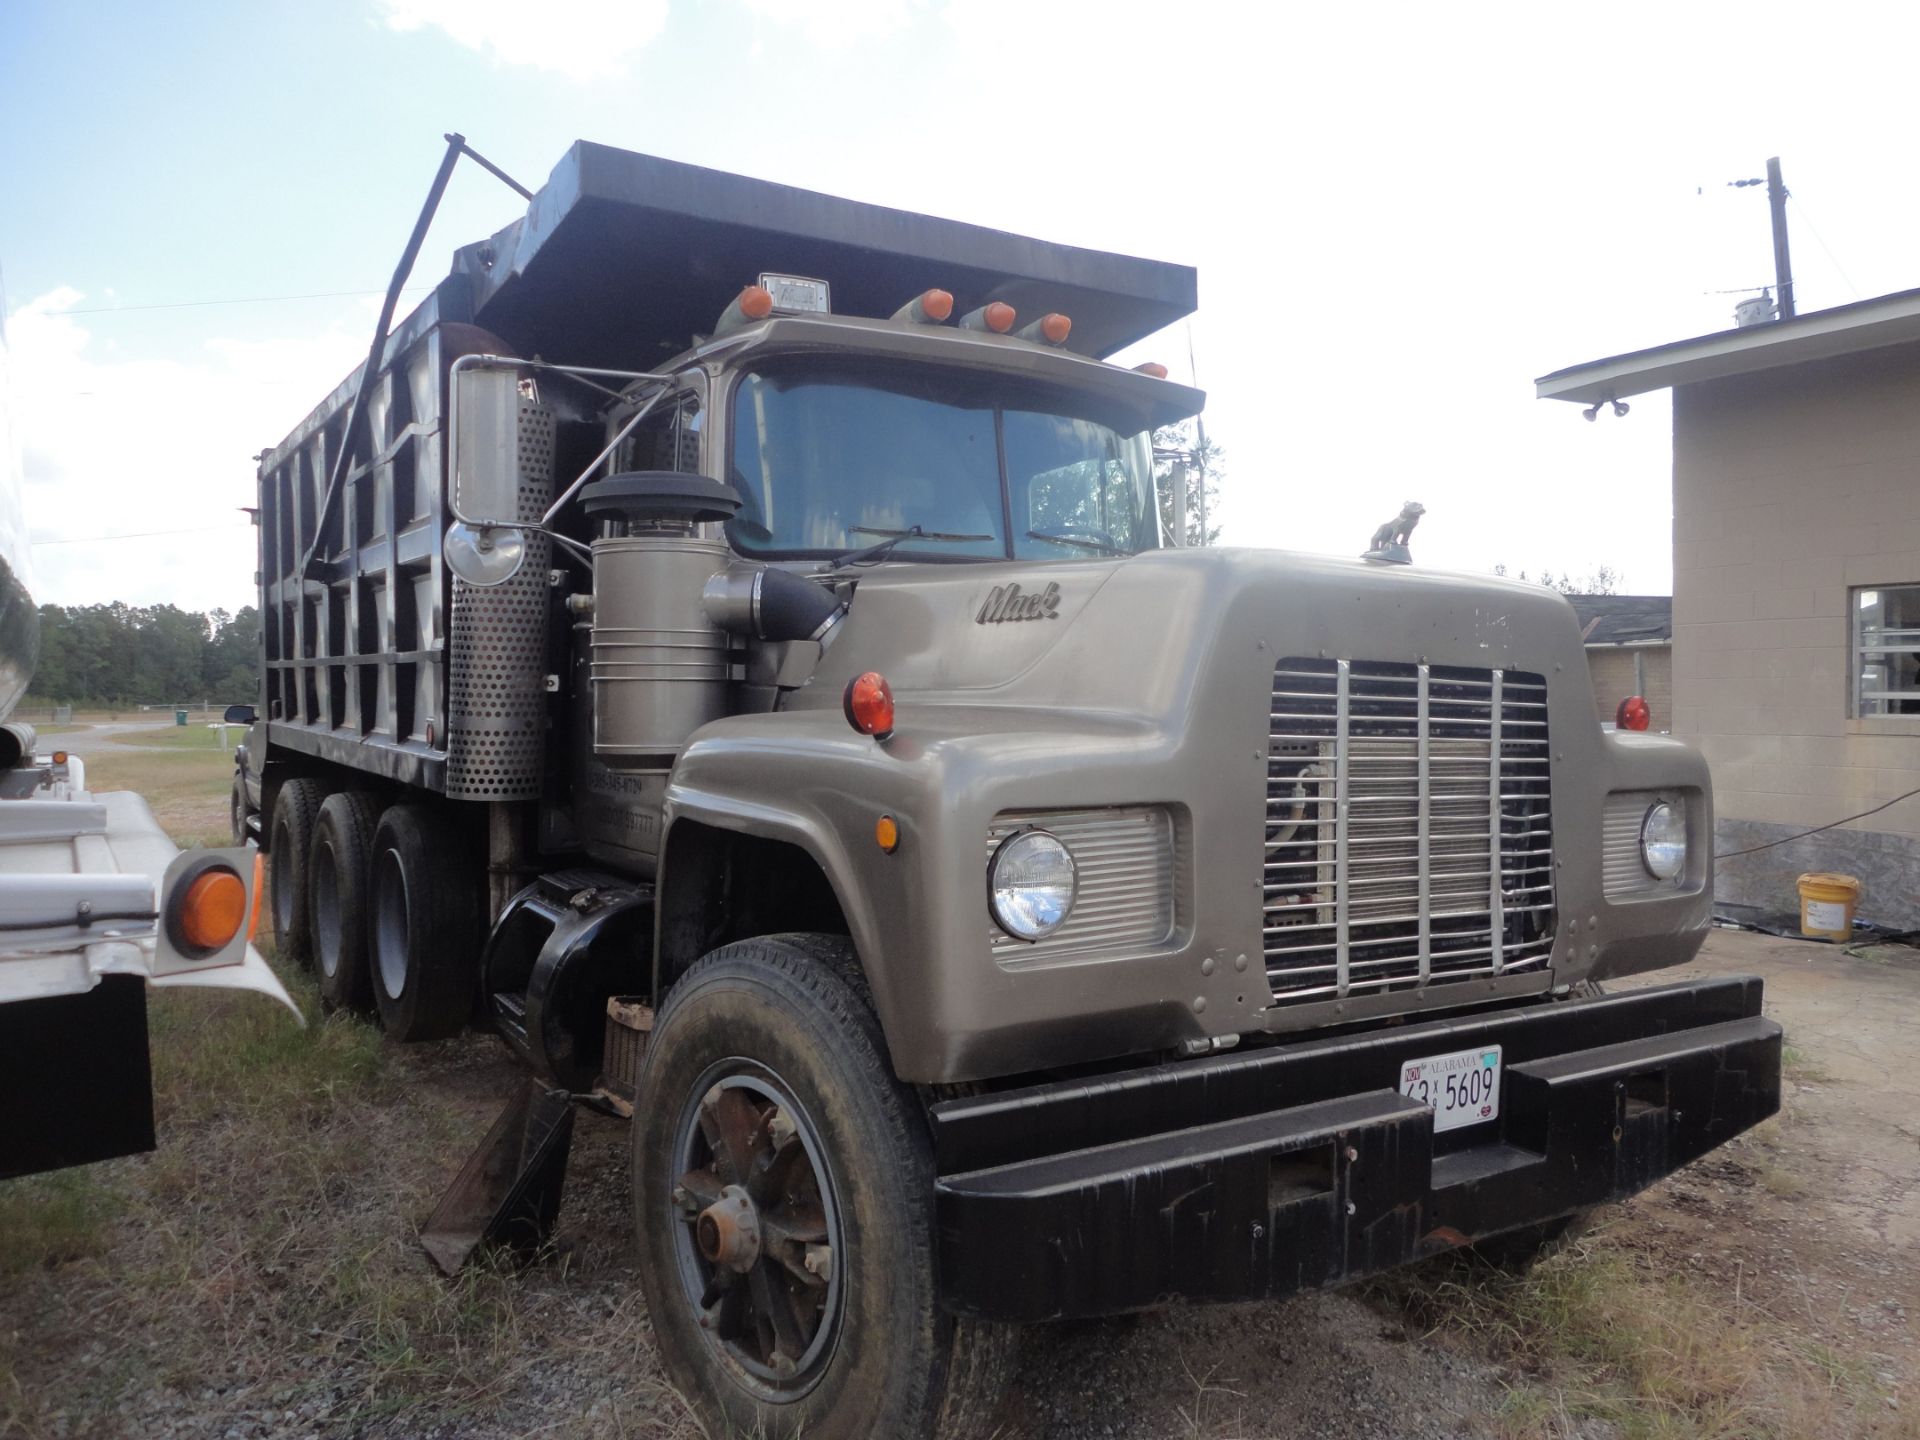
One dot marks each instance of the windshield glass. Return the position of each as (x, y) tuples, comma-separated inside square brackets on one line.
[(831, 459)]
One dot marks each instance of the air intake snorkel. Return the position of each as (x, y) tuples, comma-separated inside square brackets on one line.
[(772, 604)]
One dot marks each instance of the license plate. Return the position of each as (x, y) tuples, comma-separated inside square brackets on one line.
[(1463, 1088)]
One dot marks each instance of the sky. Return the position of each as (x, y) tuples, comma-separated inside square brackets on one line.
[(1400, 214)]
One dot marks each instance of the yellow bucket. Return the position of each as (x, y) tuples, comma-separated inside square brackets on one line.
[(1826, 906)]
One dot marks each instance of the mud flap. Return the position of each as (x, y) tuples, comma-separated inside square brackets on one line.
[(508, 1192)]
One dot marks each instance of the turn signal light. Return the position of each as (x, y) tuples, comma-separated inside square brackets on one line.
[(886, 833), (59, 757), (210, 911), (1633, 714), (869, 704), (1153, 368)]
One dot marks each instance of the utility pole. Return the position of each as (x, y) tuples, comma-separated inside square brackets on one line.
[(1782, 262)]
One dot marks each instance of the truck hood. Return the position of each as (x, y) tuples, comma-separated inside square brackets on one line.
[(1138, 636)]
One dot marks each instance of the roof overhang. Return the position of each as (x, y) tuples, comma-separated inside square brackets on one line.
[(1820, 335)]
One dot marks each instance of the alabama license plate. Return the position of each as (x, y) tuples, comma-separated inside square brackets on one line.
[(1463, 1088)]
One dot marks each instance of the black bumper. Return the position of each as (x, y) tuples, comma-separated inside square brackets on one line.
[(1292, 1167)]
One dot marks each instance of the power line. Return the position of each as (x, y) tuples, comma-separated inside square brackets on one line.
[(237, 300), (140, 535), (1823, 245), (1729, 854)]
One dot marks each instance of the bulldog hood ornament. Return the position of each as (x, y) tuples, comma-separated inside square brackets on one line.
[(1390, 540)]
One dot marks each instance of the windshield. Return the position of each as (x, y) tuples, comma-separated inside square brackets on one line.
[(829, 459)]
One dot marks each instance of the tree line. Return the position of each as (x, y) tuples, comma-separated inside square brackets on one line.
[(146, 654)]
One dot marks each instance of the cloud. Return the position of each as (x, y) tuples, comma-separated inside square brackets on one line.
[(580, 39), (835, 24), (126, 446)]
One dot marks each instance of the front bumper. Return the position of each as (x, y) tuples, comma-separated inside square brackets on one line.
[(1299, 1166)]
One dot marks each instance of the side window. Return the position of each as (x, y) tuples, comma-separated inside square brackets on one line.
[(668, 439), (1886, 650)]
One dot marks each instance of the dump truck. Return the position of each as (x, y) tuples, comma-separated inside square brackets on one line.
[(97, 906), (726, 641)]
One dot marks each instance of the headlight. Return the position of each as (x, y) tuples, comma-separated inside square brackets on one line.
[(1030, 885), (1663, 841)]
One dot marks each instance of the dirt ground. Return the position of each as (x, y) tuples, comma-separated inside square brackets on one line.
[(260, 1274)]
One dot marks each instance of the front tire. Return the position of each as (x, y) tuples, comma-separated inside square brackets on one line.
[(783, 1188)]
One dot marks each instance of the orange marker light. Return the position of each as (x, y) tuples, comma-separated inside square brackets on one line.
[(999, 317), (1056, 327), (213, 910), (936, 305), (1633, 714), (1153, 368), (756, 303), (59, 757), (869, 704), (886, 833)]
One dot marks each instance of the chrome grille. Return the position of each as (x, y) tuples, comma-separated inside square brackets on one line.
[(1409, 837)]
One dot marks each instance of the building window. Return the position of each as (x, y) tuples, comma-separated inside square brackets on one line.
[(1886, 651)]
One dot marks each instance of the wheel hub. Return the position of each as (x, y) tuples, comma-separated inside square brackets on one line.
[(728, 1231)]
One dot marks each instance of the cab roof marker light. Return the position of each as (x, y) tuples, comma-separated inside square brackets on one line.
[(930, 307), (1153, 368), (751, 304), (997, 316), (1050, 329)]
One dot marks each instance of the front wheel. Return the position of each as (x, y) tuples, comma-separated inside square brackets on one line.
[(783, 1188)]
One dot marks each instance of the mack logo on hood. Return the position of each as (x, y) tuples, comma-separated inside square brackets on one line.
[(1010, 602)]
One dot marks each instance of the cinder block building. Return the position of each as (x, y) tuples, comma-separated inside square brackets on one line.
[(1796, 587)]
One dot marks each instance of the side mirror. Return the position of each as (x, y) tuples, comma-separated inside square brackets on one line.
[(485, 546), (486, 445), (239, 715)]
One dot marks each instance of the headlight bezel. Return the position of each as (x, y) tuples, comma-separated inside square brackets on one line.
[(1669, 867), (1009, 923)]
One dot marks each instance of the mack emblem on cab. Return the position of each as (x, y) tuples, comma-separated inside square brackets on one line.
[(636, 682)]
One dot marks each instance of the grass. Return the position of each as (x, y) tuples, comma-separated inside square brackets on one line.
[(187, 789), (1600, 1336), (47, 1220), (191, 736)]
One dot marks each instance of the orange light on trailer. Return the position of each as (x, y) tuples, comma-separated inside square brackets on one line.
[(1633, 714), (211, 911), (756, 302), (886, 833), (59, 757), (1153, 368), (868, 704)]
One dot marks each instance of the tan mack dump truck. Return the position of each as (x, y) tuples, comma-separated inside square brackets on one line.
[(727, 643)]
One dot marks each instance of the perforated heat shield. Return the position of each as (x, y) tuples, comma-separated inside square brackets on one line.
[(497, 666)]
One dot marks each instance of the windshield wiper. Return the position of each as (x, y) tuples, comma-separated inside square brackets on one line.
[(1098, 547), (894, 537)]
